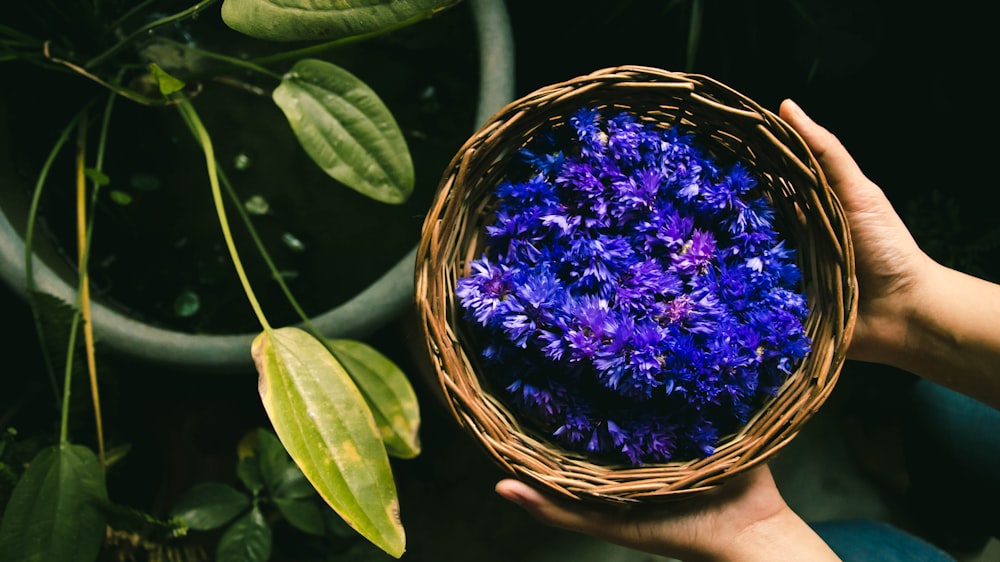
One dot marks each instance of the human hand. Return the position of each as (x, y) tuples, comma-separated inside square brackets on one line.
[(744, 519), (913, 313), (889, 263)]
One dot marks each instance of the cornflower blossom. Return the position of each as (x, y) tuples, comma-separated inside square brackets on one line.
[(635, 303)]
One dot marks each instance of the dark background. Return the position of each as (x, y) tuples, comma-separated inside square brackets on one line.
[(909, 91)]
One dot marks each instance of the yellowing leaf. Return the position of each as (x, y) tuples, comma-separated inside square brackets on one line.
[(388, 393), (326, 426)]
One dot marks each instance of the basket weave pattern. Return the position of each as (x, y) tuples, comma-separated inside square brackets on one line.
[(727, 123)]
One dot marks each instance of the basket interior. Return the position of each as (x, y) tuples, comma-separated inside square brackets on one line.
[(731, 127)]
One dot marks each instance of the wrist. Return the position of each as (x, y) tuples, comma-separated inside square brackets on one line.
[(783, 535), (891, 322)]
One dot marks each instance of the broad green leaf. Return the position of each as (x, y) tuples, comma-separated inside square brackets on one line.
[(209, 505), (307, 20), (303, 514), (56, 511), (248, 539), (326, 427), (346, 129), (388, 392)]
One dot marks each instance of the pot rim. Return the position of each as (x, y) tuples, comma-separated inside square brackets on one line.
[(372, 308)]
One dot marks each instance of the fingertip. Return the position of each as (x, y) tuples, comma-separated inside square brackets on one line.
[(791, 110), (514, 491)]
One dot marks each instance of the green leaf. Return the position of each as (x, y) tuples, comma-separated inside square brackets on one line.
[(388, 392), (248, 465), (307, 20), (98, 177), (56, 511), (209, 505), (167, 83), (246, 540), (120, 197), (325, 425), (303, 514), (346, 129), (282, 476), (249, 474)]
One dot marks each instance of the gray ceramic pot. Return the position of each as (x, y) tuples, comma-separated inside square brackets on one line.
[(377, 305)]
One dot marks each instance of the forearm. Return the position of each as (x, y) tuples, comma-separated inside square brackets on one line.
[(951, 334)]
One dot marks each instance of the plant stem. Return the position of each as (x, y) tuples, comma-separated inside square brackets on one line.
[(198, 130), (234, 61), (67, 378), (131, 12), (114, 87), (83, 290), (179, 16), (266, 256), (85, 232), (29, 255)]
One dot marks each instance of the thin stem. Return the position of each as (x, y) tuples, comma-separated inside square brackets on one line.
[(24, 38), (179, 16), (265, 255), (198, 130), (131, 12), (234, 61), (29, 255), (116, 88), (85, 235), (67, 378), (83, 291)]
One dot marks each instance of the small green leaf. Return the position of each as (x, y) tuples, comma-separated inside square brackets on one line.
[(346, 129), (388, 392), (120, 197), (303, 514), (167, 83), (97, 176), (246, 540), (56, 511), (326, 427), (248, 465), (249, 474), (307, 20), (209, 505)]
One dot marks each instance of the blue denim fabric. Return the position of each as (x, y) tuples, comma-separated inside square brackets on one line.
[(952, 449), (865, 540), (953, 459)]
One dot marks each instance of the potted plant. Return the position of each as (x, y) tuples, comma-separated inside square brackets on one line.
[(317, 386)]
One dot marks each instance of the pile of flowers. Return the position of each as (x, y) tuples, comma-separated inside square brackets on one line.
[(635, 301)]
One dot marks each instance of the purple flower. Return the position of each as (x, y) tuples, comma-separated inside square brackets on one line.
[(635, 301)]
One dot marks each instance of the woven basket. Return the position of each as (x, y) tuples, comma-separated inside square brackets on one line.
[(453, 236)]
